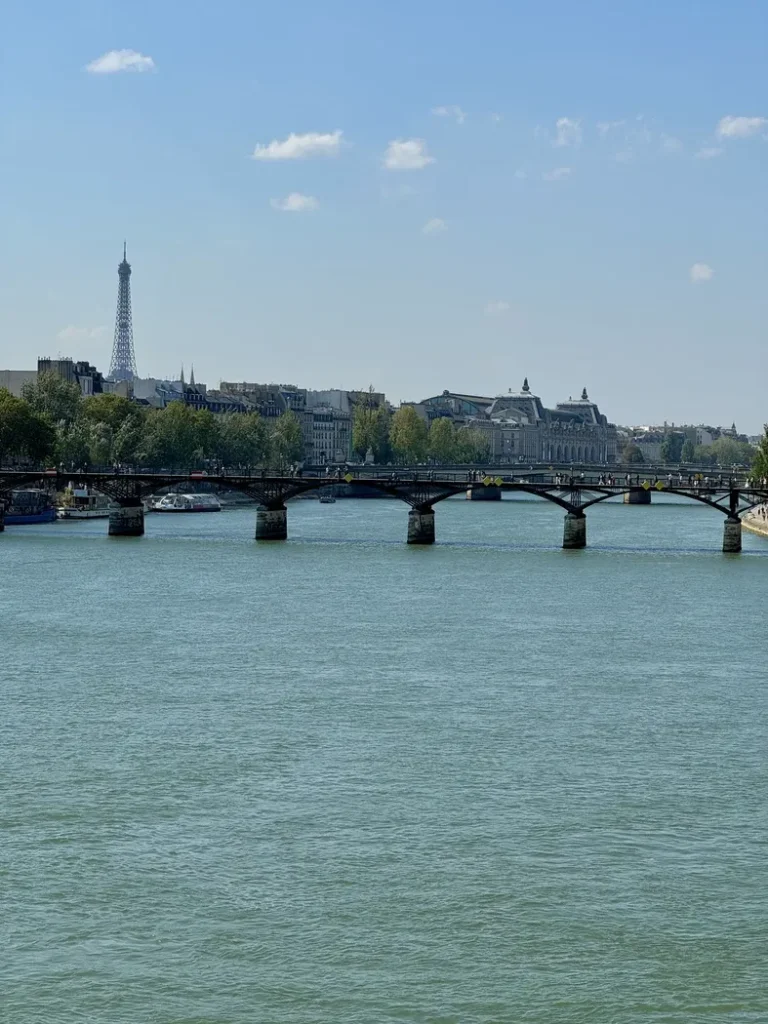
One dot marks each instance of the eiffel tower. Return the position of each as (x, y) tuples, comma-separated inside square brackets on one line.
[(123, 357)]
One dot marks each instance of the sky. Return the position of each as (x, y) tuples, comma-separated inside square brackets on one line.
[(417, 195)]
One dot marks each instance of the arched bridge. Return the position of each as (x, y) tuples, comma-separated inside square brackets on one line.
[(128, 491)]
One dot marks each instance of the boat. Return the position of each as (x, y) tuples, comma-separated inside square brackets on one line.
[(327, 499), (30, 506), (188, 503), (80, 503)]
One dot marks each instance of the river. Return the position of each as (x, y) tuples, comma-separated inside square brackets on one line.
[(343, 780)]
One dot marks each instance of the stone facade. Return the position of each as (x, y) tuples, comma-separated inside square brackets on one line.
[(519, 428)]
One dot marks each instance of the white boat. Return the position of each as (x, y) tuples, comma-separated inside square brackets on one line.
[(327, 499), (80, 503), (188, 503), (68, 512)]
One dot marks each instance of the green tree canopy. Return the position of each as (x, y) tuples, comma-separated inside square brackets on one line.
[(671, 448), (688, 451), (171, 437), (286, 442), (442, 440), (632, 455), (23, 434), (53, 397), (729, 451), (408, 435), (472, 445), (370, 427), (760, 464), (243, 440)]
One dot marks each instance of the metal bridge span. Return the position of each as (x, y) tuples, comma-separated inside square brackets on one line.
[(421, 491)]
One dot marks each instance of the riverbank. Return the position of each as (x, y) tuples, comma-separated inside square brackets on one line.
[(755, 523)]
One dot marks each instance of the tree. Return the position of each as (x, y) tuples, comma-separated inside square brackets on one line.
[(22, 433), (101, 442), (408, 435), (688, 451), (171, 437), (73, 446), (671, 448), (111, 409), (243, 440), (632, 455), (760, 464), (286, 442), (729, 451), (702, 455), (364, 423), (51, 396), (127, 441), (206, 436), (370, 427), (472, 445), (442, 440)]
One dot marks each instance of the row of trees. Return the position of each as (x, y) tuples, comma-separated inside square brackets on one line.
[(675, 449), (404, 437), (412, 441), (53, 422)]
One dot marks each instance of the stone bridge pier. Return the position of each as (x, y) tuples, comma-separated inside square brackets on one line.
[(483, 493), (732, 535), (421, 525), (126, 519), (575, 530), (272, 522)]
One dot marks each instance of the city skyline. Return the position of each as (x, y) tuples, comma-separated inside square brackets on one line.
[(501, 195)]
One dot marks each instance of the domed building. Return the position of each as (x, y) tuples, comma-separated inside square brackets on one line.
[(519, 428)]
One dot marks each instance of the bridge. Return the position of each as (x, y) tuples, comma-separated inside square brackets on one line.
[(421, 491)]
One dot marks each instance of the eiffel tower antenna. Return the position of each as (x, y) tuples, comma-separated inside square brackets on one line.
[(123, 365)]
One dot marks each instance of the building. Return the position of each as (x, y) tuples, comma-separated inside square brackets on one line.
[(330, 435), (14, 380), (90, 380), (520, 428)]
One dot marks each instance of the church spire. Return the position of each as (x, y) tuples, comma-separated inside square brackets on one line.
[(182, 375), (192, 376), (525, 385)]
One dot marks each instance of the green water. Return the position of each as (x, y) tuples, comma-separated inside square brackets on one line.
[(343, 780)]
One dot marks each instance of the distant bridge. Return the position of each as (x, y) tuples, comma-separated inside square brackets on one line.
[(422, 490)]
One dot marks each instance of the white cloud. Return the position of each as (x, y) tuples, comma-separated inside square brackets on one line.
[(568, 132), (76, 334), (496, 308), (407, 155), (604, 127), (434, 226), (701, 272), (670, 144), (452, 111), (731, 127), (557, 174), (120, 60), (295, 202), (299, 147), (521, 174), (709, 153), (496, 118)]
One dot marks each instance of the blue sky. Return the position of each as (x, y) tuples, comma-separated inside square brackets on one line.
[(577, 193)]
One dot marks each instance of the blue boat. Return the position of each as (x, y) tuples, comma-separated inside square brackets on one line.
[(28, 507)]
